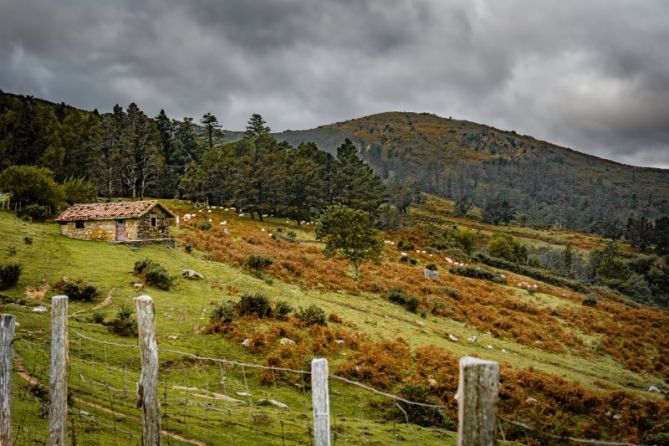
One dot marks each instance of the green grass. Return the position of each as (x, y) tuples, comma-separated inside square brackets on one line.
[(106, 375)]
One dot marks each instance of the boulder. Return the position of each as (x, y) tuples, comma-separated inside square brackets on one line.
[(651, 389), (286, 341), (246, 342), (192, 274), (40, 309)]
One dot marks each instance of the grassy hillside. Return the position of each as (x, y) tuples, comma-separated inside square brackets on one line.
[(548, 184), (565, 366)]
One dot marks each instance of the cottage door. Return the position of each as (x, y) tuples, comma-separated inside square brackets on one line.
[(120, 230)]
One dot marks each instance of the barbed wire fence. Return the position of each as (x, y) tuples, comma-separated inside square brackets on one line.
[(212, 400)]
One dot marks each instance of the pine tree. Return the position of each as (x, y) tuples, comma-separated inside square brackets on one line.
[(256, 126), (211, 125)]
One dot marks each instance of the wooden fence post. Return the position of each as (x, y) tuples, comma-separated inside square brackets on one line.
[(321, 401), (477, 402), (147, 387), (58, 371), (7, 324)]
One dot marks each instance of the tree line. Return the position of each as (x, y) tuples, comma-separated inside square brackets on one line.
[(128, 153)]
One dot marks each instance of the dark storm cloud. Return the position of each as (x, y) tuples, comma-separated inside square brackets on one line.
[(590, 75)]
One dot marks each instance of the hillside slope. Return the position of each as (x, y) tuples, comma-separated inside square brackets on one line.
[(571, 362), (548, 184)]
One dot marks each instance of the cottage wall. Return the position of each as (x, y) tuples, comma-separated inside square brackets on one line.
[(146, 231), (92, 230)]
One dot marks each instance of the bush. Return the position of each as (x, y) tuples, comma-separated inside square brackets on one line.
[(455, 294), (590, 300), (312, 315), (258, 263), (9, 275), (405, 246), (431, 267), (80, 291), (11, 251), (505, 247), (283, 308), (153, 274), (188, 247), (30, 184), (34, 212), (291, 236), (400, 297), (98, 317), (28, 240), (421, 415), (225, 312), (205, 226), (534, 273), (254, 304), (78, 190), (124, 324), (477, 273)]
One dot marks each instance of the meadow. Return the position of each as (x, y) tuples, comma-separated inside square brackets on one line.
[(566, 368)]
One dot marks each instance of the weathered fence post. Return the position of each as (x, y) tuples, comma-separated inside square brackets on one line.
[(477, 402), (7, 323), (147, 387), (58, 371), (321, 401)]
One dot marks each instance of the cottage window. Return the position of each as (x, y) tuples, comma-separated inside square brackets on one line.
[(79, 224), (154, 221)]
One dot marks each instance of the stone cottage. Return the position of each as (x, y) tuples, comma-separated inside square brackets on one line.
[(122, 221)]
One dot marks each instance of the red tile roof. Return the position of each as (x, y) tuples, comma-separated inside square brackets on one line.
[(118, 210)]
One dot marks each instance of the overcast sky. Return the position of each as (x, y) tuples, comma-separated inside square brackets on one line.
[(591, 75)]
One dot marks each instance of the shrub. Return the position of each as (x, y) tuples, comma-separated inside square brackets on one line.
[(400, 297), (9, 275), (312, 315), (455, 294), (477, 273), (421, 415), (80, 291), (28, 240), (258, 263), (534, 273), (405, 246), (30, 184), (11, 251), (153, 274), (34, 212), (124, 324), (431, 267), (291, 236), (224, 312), (283, 308), (78, 190), (205, 226), (335, 318), (254, 304), (590, 300), (504, 246), (188, 247), (98, 317)]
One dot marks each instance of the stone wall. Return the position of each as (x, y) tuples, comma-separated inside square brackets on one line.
[(92, 230), (144, 229)]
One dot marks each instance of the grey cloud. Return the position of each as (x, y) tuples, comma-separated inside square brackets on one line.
[(590, 75)]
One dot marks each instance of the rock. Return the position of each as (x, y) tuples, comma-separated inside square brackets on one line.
[(651, 389), (473, 338), (246, 342), (617, 416), (246, 394), (138, 286), (339, 341), (452, 338), (488, 347), (276, 403), (286, 341), (172, 337), (192, 274), (531, 400), (432, 382), (40, 309)]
